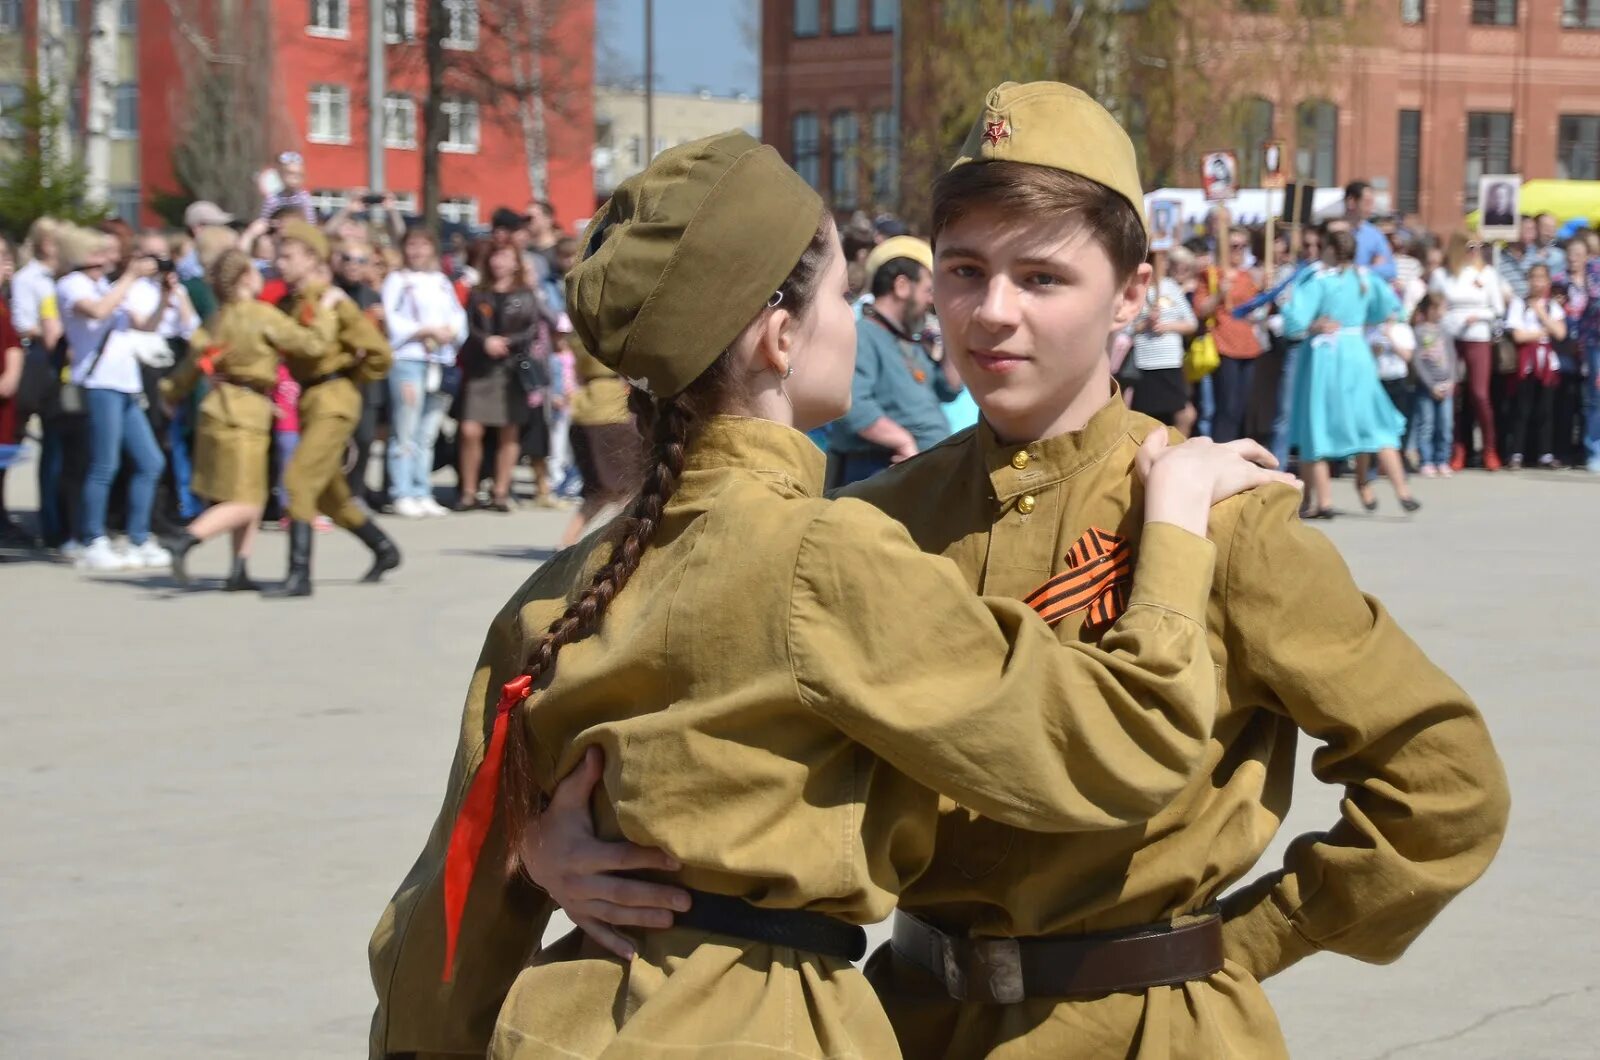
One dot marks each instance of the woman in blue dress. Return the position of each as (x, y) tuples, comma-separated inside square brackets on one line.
[(1340, 408)]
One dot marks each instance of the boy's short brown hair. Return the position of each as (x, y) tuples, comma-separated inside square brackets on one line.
[(1023, 190)]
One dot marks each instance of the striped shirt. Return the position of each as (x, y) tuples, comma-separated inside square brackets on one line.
[(1151, 352)]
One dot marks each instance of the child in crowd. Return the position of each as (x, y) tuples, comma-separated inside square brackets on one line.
[(1433, 401)]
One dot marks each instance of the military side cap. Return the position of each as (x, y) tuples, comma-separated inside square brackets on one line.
[(683, 256), (1046, 123), (889, 250), (305, 232)]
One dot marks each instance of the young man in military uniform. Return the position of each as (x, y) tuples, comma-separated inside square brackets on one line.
[(1132, 941), (330, 406)]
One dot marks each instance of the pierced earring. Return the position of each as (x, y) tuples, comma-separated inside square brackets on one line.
[(788, 372)]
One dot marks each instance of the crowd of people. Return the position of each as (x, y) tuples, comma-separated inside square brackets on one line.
[(112, 343)]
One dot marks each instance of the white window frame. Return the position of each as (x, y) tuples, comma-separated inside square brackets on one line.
[(459, 211), (405, 202), (460, 116), (328, 95), (407, 10), (69, 14), (119, 92), (461, 14), (10, 16), (128, 16), (328, 201), (336, 14), (122, 191), (13, 95), (395, 104)]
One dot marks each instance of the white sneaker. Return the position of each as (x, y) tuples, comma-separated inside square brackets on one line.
[(72, 551), (100, 556), (149, 556), (409, 508), (433, 508)]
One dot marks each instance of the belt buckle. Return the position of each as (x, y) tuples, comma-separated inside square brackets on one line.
[(1001, 963)]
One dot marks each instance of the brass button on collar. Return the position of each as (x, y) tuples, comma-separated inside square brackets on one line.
[(1026, 504), (1020, 461)]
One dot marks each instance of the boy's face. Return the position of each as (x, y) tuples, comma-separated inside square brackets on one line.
[(1026, 307)]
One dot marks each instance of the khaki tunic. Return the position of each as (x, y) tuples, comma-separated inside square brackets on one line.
[(329, 410), (602, 396), (1299, 649), (235, 428), (779, 691)]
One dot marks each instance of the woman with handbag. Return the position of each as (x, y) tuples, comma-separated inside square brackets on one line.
[(500, 376), (107, 380)]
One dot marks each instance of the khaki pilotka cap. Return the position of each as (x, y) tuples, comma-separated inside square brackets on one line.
[(1046, 123), (307, 233), (685, 254)]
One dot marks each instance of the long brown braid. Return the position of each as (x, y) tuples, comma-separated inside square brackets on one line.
[(672, 425)]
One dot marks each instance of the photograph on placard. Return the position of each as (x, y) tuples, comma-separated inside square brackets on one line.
[(1165, 215), (1499, 196), (1219, 175), (1272, 175)]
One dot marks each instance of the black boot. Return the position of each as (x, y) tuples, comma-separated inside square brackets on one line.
[(298, 583), (179, 545), (238, 581), (385, 556)]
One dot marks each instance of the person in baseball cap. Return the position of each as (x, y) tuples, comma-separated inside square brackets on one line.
[(203, 213)]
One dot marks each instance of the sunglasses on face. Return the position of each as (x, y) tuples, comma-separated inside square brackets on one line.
[(290, 158), (358, 261)]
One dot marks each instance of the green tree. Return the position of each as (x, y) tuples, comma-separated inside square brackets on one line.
[(38, 178)]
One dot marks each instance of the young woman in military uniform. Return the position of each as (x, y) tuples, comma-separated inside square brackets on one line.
[(781, 685), (237, 356)]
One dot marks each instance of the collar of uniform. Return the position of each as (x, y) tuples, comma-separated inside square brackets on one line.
[(1016, 469), (761, 446)]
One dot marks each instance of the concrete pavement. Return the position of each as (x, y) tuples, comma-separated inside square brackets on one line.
[(209, 798)]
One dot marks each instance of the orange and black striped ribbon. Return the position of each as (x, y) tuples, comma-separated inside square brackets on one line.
[(1098, 579)]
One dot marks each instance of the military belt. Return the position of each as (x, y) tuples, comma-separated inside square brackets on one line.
[(319, 380), (800, 929), (1002, 971)]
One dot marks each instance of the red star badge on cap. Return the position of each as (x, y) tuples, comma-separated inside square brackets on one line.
[(995, 131)]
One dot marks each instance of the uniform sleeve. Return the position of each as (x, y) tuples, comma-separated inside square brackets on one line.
[(181, 381), (1303, 308), (418, 1013), (864, 407), (293, 339), (1425, 796), (358, 332), (979, 700)]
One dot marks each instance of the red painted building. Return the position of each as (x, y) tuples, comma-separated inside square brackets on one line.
[(319, 53)]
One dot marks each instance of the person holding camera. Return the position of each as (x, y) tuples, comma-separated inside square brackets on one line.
[(105, 371)]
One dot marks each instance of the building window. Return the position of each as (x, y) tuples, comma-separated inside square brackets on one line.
[(327, 202), (69, 14), (1409, 182), (399, 21), (1494, 12), (330, 115), (329, 18), (128, 16), (846, 16), (1580, 14), (10, 16), (1412, 12), (1317, 142), (844, 141), (884, 179), (1488, 148), (807, 18), (885, 13), (461, 29), (460, 126), (405, 203), (399, 120), (125, 204), (807, 148), (13, 97), (1255, 129), (125, 112), (1578, 147), (459, 211)]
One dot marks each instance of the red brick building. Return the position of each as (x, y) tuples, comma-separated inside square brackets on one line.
[(319, 52), (1452, 89)]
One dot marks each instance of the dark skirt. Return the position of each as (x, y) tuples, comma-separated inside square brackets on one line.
[(1161, 393), (608, 458), (492, 396)]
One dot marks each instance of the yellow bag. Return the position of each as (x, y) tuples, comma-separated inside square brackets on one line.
[(1201, 358)]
